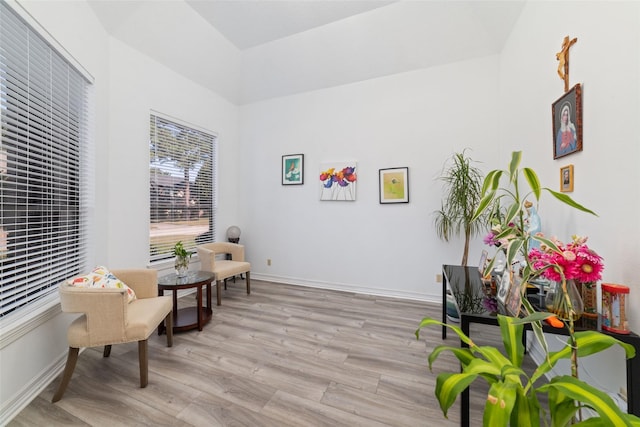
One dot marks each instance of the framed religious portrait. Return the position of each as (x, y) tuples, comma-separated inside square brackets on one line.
[(566, 179), (394, 185), (293, 169), (566, 113)]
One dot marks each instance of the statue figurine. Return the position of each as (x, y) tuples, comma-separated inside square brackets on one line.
[(533, 224)]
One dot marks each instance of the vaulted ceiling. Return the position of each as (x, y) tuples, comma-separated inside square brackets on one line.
[(249, 50)]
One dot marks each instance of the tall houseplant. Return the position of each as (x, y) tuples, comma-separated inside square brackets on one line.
[(462, 195), (513, 395)]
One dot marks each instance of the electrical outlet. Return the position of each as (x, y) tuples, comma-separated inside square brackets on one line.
[(269, 262), (438, 278)]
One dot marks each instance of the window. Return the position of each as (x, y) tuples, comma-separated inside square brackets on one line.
[(44, 159), (182, 187)]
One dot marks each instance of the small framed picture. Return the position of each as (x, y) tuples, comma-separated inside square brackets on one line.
[(567, 123), (394, 185), (566, 179), (503, 288), (293, 169)]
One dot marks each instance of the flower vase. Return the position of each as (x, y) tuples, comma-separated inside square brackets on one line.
[(557, 302), (181, 266)]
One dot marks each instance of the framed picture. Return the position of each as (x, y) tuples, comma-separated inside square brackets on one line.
[(394, 185), (293, 169), (566, 179), (338, 181), (503, 288), (567, 123)]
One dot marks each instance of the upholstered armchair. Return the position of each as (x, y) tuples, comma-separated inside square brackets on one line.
[(108, 318), (223, 268)]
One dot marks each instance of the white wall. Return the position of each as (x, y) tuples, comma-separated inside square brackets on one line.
[(139, 85), (415, 119), (127, 86), (606, 61)]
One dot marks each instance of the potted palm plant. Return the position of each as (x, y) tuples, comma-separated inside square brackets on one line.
[(513, 395), (462, 195)]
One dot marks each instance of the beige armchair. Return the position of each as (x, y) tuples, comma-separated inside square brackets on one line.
[(109, 319), (224, 268)]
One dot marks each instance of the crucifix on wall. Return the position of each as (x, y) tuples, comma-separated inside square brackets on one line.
[(563, 58)]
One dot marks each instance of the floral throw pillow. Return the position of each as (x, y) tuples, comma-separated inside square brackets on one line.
[(101, 277)]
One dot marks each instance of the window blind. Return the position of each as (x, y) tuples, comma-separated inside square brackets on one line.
[(44, 157), (182, 186)]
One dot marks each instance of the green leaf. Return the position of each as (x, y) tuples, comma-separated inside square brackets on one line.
[(511, 213), (514, 249), (569, 201), (532, 178), (449, 386), (516, 157), (548, 243), (598, 400), (526, 411), (494, 356), (561, 407), (491, 181), (427, 321), (597, 421), (588, 342), (485, 202), (512, 339), (500, 402), (480, 366), (463, 354)]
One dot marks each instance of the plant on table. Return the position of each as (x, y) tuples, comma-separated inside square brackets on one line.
[(513, 394), (182, 258)]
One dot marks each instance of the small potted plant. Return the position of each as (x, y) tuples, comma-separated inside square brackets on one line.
[(182, 259)]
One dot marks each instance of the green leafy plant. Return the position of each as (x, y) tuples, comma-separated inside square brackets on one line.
[(462, 195), (180, 251), (513, 397)]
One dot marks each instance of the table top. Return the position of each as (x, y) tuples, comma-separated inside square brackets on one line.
[(193, 278)]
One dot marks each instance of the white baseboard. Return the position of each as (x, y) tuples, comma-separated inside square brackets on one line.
[(392, 293), (31, 390)]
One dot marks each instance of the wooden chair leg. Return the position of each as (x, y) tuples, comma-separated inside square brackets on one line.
[(248, 282), (218, 291), (144, 362), (72, 358), (107, 351), (169, 328)]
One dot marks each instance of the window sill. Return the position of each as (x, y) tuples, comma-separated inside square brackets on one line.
[(19, 324)]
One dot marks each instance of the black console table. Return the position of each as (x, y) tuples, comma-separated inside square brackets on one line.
[(465, 283)]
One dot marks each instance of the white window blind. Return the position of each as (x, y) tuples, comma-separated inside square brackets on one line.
[(183, 204), (44, 183)]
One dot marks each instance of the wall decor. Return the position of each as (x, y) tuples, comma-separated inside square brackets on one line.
[(566, 113), (394, 185), (338, 181), (293, 169), (566, 179)]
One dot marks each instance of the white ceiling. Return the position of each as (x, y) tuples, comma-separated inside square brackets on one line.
[(249, 50), (249, 23)]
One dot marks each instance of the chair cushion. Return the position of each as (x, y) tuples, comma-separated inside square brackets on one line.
[(225, 269), (101, 277)]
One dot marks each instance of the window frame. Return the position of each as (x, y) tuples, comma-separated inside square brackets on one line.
[(37, 310), (164, 253)]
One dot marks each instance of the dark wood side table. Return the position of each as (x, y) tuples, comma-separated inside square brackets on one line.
[(188, 318)]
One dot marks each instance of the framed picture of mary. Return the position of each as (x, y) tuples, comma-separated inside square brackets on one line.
[(567, 123)]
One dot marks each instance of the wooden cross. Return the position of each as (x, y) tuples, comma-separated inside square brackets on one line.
[(563, 58)]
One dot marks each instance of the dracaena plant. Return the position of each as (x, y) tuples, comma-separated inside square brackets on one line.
[(512, 398)]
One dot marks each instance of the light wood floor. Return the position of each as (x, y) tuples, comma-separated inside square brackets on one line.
[(283, 356)]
